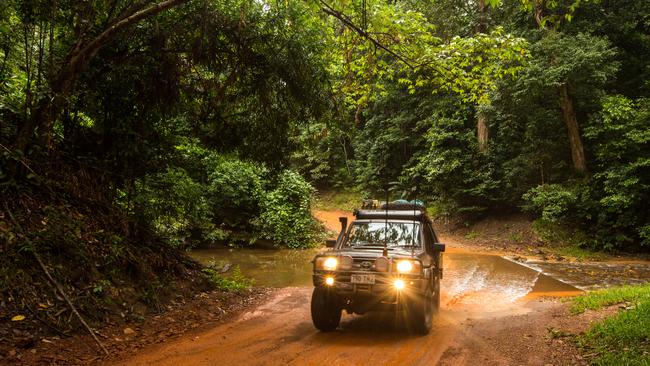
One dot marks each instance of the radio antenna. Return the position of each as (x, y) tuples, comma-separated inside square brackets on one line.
[(385, 252), (414, 231)]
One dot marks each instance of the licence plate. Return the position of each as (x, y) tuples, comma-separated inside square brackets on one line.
[(363, 278)]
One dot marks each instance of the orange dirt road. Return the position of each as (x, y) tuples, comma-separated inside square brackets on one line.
[(280, 333), (491, 314)]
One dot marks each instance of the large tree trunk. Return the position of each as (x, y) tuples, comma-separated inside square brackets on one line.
[(482, 132), (573, 131)]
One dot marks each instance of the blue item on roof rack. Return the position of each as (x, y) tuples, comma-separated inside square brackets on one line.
[(411, 202)]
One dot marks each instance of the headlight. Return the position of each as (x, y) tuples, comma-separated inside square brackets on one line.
[(330, 264), (327, 263), (404, 266), (407, 266)]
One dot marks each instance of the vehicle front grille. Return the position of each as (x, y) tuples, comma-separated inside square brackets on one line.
[(363, 264)]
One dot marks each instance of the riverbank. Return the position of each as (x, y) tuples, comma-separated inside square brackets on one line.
[(185, 317)]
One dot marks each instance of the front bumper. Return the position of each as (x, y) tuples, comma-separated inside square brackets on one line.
[(384, 282), (382, 295)]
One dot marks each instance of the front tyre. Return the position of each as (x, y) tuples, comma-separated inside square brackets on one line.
[(420, 313), (436, 296), (325, 310)]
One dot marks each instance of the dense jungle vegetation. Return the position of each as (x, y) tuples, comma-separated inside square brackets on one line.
[(129, 129), (212, 120)]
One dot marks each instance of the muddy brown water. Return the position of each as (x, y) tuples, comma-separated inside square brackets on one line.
[(469, 278), (592, 276), (465, 272)]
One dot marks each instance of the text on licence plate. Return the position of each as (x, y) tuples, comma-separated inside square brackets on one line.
[(363, 278)]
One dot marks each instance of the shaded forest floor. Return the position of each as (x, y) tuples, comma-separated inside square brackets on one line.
[(182, 317)]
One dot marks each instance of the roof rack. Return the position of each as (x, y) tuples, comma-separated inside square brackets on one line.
[(411, 215), (403, 205)]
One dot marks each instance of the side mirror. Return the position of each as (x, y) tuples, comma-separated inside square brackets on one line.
[(330, 243), (438, 247)]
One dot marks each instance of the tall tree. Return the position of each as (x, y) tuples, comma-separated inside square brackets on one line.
[(83, 48), (565, 96)]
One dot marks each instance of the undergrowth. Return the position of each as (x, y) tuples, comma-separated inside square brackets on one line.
[(565, 241), (110, 267), (233, 281), (623, 339)]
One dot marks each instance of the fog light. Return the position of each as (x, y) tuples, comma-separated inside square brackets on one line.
[(329, 281), (399, 284)]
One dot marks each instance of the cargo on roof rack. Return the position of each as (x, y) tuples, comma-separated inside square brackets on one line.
[(403, 206)]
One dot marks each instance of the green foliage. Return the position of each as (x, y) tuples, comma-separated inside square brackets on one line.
[(285, 216), (584, 62), (451, 166), (623, 338), (553, 202), (621, 183), (175, 205), (237, 196), (609, 206), (235, 188), (190, 119), (235, 281)]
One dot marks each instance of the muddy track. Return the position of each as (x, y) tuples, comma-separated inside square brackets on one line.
[(280, 332), (490, 314), (494, 312)]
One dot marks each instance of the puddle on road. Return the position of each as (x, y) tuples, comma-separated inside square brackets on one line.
[(469, 278)]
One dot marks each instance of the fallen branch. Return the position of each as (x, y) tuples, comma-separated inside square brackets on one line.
[(58, 287), (67, 299)]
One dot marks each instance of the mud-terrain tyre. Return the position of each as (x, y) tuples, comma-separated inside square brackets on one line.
[(420, 313), (436, 297), (325, 309)]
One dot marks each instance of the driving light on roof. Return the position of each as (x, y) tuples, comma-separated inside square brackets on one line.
[(404, 266)]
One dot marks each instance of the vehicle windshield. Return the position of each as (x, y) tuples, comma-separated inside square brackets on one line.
[(373, 234)]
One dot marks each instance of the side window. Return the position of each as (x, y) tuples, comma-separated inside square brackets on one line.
[(433, 234), (428, 239)]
